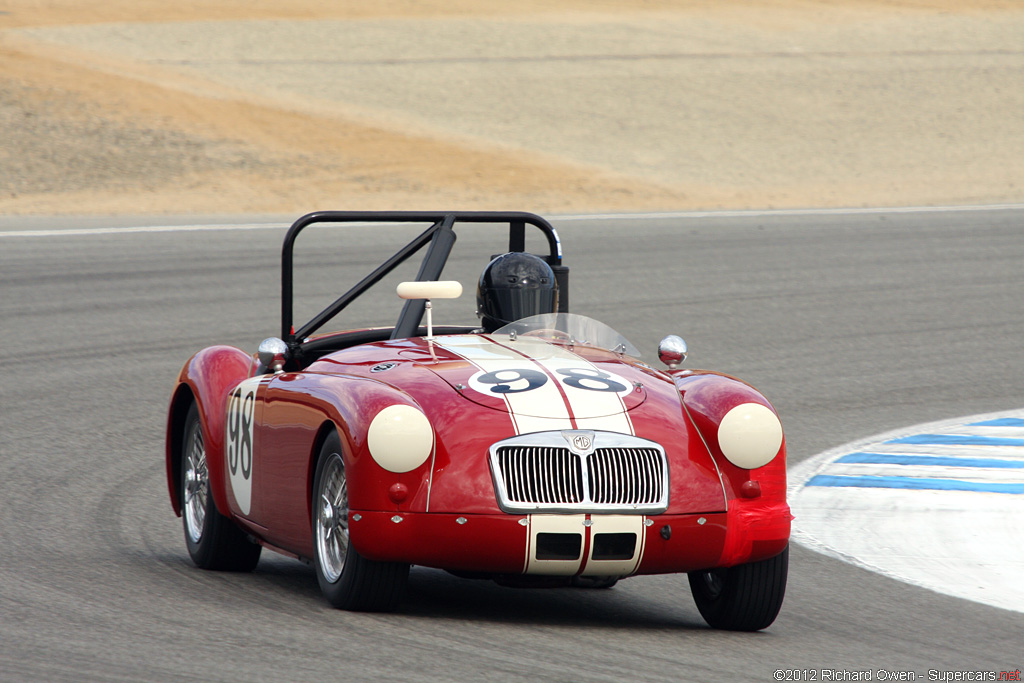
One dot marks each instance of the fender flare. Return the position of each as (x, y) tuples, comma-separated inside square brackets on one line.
[(757, 528), (348, 404), (707, 397), (206, 379)]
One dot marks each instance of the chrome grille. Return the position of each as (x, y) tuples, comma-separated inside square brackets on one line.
[(541, 475), (546, 472), (625, 476)]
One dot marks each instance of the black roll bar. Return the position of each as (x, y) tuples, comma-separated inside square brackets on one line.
[(439, 235), (430, 270)]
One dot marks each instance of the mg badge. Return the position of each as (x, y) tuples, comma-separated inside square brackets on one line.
[(580, 442)]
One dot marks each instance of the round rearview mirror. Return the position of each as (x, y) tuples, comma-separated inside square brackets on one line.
[(273, 353), (672, 351)]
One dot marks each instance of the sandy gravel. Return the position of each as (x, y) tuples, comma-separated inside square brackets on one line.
[(138, 106)]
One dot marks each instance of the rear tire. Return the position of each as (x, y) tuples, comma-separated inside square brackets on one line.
[(347, 579), (746, 597), (213, 540)]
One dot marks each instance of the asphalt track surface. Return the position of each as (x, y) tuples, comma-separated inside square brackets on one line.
[(853, 323)]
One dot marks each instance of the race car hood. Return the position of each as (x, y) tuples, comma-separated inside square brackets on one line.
[(534, 378), (478, 390)]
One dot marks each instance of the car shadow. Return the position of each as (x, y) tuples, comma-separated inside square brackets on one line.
[(435, 594), (646, 602)]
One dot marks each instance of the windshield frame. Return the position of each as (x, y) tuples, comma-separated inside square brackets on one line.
[(571, 329)]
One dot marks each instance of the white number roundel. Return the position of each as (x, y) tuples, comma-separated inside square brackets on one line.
[(238, 447), (518, 380)]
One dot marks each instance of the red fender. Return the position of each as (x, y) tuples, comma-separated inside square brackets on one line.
[(758, 523), (288, 452), (707, 397), (209, 376)]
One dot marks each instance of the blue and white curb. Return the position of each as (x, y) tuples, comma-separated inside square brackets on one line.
[(939, 505)]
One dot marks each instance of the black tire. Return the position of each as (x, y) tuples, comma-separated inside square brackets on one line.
[(746, 597), (347, 579), (213, 540)]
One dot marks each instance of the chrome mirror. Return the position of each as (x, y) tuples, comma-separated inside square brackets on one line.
[(672, 351), (273, 353)]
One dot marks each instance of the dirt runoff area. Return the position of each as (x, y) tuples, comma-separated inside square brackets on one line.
[(252, 106)]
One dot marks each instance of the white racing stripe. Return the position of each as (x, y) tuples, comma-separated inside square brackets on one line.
[(531, 409), (547, 388), (544, 386), (594, 395)]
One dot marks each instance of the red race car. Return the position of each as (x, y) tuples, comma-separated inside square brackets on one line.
[(533, 449)]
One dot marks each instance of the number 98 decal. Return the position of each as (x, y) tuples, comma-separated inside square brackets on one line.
[(239, 442), (521, 380)]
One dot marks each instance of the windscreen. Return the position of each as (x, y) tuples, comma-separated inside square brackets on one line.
[(571, 328)]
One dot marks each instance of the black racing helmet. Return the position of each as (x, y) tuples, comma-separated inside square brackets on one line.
[(514, 286)]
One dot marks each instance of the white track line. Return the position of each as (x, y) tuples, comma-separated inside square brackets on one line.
[(681, 215), (91, 232), (767, 213)]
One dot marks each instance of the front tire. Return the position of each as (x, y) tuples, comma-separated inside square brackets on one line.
[(746, 597), (213, 540), (347, 579)]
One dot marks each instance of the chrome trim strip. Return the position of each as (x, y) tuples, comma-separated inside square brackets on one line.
[(711, 454)]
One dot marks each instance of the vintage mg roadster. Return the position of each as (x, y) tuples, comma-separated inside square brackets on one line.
[(534, 448)]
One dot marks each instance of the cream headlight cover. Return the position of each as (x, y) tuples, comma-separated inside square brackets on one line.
[(400, 438), (750, 435)]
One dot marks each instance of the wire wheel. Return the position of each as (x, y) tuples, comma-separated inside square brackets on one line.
[(196, 482), (332, 519), (213, 540), (347, 579)]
